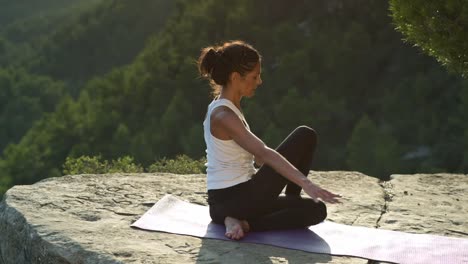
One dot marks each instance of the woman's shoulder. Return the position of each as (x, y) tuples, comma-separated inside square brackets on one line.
[(229, 104), (222, 112)]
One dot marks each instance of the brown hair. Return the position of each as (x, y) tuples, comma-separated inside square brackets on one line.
[(216, 63)]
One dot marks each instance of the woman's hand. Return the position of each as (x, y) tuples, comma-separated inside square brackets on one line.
[(315, 192)]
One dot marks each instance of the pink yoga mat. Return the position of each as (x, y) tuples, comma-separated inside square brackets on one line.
[(173, 215)]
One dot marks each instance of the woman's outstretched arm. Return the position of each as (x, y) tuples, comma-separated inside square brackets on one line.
[(229, 122)]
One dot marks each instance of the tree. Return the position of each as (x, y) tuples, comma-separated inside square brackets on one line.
[(439, 28), (24, 98), (372, 151)]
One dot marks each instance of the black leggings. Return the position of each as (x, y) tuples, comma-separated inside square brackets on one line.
[(257, 200)]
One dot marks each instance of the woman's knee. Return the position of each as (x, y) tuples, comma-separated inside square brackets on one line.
[(322, 211), (309, 134), (317, 212)]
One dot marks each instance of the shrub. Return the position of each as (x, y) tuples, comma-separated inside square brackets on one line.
[(94, 165), (182, 164), (85, 165), (124, 164)]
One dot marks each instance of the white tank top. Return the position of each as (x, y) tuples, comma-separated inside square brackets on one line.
[(227, 163)]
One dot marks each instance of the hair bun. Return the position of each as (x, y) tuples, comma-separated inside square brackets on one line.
[(211, 57)]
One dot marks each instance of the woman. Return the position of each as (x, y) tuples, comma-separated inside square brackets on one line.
[(240, 196)]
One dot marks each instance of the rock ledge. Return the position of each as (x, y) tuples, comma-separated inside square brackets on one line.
[(86, 218)]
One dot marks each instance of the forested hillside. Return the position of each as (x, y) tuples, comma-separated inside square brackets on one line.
[(378, 105), (66, 47), (22, 9), (24, 27), (85, 42)]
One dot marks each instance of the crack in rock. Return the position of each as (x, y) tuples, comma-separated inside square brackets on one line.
[(387, 187), (355, 219), (118, 213), (458, 232)]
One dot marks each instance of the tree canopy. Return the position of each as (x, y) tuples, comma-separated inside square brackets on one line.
[(439, 28)]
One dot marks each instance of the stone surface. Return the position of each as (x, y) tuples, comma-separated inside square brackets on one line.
[(428, 204), (363, 197), (86, 218)]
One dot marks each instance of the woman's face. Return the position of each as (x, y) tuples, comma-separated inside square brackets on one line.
[(250, 81)]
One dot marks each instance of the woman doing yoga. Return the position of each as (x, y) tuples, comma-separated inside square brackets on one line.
[(240, 196)]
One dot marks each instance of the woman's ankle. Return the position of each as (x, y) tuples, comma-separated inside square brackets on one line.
[(245, 225)]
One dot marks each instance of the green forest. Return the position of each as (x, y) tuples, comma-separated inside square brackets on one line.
[(117, 78)]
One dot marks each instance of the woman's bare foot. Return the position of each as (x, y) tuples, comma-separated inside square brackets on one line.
[(235, 229)]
